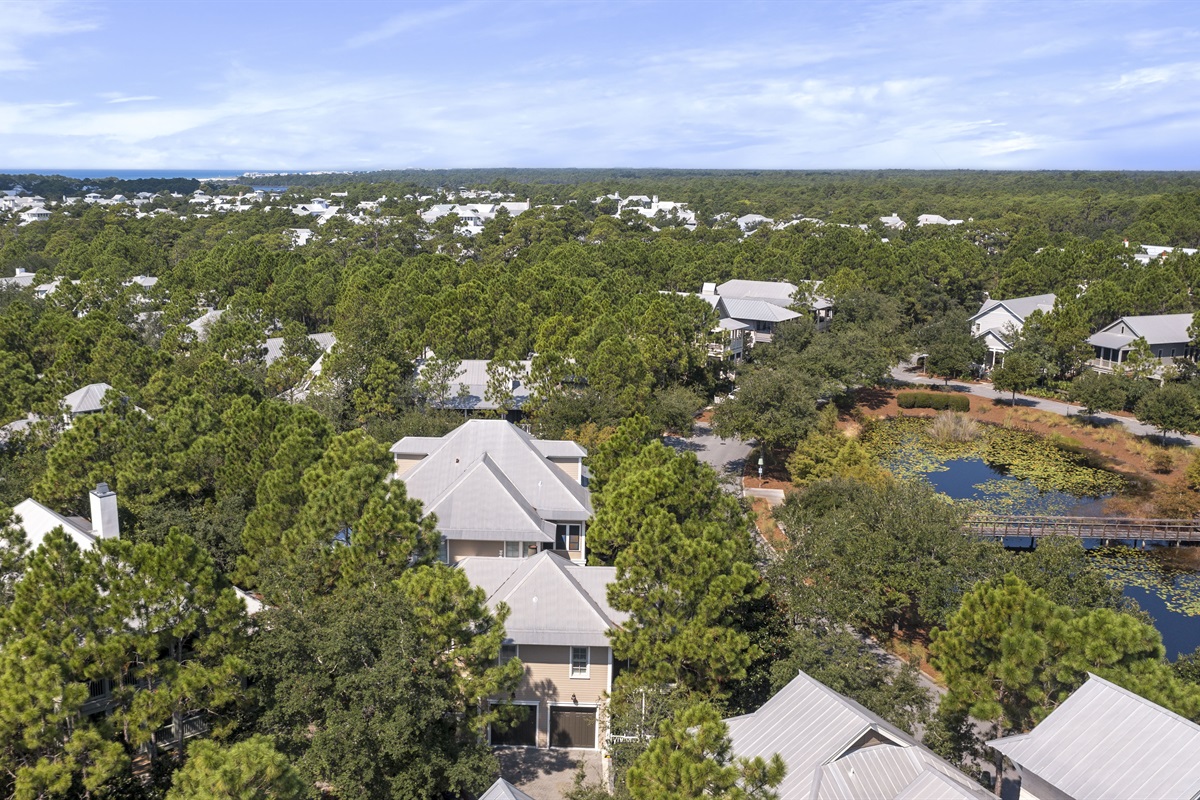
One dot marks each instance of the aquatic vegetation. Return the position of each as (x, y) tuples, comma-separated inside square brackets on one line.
[(1125, 566), (951, 426), (1049, 471)]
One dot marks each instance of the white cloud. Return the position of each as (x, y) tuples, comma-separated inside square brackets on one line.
[(141, 98), (402, 23), (26, 21)]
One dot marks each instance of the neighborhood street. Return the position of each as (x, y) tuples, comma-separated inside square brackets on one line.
[(905, 373)]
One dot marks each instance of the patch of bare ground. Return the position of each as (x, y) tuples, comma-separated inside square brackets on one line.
[(765, 522)]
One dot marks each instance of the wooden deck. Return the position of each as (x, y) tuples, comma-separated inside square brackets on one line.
[(1169, 531)]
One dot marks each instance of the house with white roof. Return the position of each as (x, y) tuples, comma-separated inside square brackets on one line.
[(201, 324), (20, 279), (499, 492), (35, 214), (558, 625), (1167, 335), (894, 222), (752, 222), (1153, 251), (503, 790), (936, 219), (468, 390), (836, 749), (750, 310), (998, 322), (1107, 743)]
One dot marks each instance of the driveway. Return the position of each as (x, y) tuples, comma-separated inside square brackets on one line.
[(547, 774), (726, 456), (905, 373)]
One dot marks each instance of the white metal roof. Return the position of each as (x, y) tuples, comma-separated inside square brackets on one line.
[(1107, 743), (324, 341), (820, 735), (778, 292), (757, 310), (1155, 328), (88, 399), (1019, 307), (551, 600), (37, 521), (469, 389), (503, 790)]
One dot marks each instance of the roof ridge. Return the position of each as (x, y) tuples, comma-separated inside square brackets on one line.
[(1143, 700)]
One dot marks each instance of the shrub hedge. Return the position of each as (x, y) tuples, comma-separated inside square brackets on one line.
[(935, 400)]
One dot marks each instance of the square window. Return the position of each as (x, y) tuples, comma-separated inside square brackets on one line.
[(566, 537), (512, 549), (580, 666)]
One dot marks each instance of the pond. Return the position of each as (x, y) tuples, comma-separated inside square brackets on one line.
[(1014, 472)]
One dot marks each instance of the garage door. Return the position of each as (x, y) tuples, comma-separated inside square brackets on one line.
[(523, 732), (572, 727)]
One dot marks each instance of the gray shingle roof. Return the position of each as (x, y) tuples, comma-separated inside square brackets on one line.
[(527, 476), (551, 600), (484, 504), (503, 790), (818, 733), (1107, 743)]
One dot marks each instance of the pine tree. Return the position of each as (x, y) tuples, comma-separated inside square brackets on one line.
[(248, 770), (692, 757)]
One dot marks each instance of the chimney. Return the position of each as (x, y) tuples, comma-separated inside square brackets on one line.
[(104, 513)]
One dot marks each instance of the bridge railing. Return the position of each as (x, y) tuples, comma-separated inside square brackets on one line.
[(1158, 530)]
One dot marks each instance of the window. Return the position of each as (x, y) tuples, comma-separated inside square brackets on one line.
[(566, 537), (512, 549), (507, 653), (579, 662), (444, 551)]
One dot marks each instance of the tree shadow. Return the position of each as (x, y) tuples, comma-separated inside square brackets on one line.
[(1007, 402), (683, 445), (1094, 420), (874, 398), (524, 764)]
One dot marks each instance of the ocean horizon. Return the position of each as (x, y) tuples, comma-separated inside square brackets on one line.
[(129, 174)]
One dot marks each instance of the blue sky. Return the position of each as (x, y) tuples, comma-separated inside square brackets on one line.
[(299, 85)]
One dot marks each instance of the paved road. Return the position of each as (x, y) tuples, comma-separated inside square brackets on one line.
[(904, 373), (726, 456)]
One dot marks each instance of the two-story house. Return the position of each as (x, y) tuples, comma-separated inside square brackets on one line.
[(750, 310), (998, 322), (558, 627), (1167, 335), (497, 491)]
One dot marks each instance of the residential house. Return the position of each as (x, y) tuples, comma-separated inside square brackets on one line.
[(1107, 743), (558, 625), (752, 222), (469, 389), (35, 214), (201, 324), (1153, 251), (21, 279), (497, 491), (37, 521), (764, 304), (936, 219), (998, 322), (274, 351), (1167, 335), (835, 748), (894, 222)]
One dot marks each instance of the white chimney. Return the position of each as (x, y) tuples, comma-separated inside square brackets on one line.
[(104, 513)]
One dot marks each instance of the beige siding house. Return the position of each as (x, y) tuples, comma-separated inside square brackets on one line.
[(558, 627), (499, 492)]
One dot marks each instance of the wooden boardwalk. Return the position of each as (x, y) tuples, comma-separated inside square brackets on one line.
[(1169, 531)]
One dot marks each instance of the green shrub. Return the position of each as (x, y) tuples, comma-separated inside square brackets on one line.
[(938, 401)]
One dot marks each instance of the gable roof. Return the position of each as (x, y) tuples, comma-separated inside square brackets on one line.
[(37, 521), (1107, 743), (274, 345), (503, 790), (484, 504), (1019, 307), (1154, 328), (551, 600), (819, 734), (528, 475), (778, 292), (758, 310)]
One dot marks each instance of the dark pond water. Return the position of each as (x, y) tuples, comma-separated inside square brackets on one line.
[(971, 479), (1180, 632)]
